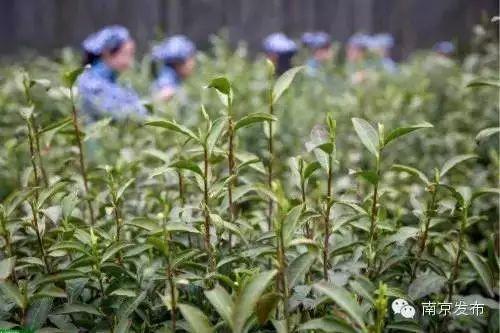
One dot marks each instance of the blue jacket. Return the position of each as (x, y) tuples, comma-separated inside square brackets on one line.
[(101, 96), (167, 78)]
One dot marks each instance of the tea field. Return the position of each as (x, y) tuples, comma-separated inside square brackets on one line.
[(254, 203)]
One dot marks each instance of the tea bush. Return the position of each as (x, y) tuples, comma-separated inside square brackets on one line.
[(252, 203)]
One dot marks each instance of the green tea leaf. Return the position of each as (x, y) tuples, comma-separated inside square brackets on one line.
[(412, 171), (173, 126), (187, 165), (453, 162), (248, 297), (70, 77), (367, 134), (327, 324), (297, 269), (253, 118), (12, 292), (344, 300), (78, 308), (198, 322), (222, 302), (6, 267), (483, 270), (398, 132), (284, 81), (486, 133)]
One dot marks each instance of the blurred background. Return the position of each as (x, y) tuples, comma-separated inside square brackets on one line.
[(47, 25)]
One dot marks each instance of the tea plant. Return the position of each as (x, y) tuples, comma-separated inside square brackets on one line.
[(200, 220)]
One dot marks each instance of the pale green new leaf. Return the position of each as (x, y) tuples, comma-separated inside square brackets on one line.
[(367, 134), (283, 82), (198, 322)]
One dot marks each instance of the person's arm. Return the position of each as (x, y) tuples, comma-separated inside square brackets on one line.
[(108, 99)]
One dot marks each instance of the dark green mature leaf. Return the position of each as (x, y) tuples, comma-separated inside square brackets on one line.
[(173, 126), (368, 175), (290, 223), (12, 292), (198, 322), (328, 325), (222, 302), (453, 162), (38, 313), (265, 306), (284, 81), (310, 169), (426, 284), (70, 77), (56, 125), (344, 300), (6, 267), (248, 297), (367, 134), (398, 132), (406, 326), (187, 165), (483, 83), (253, 118), (112, 250), (297, 269), (483, 270), (411, 171), (78, 308), (222, 85)]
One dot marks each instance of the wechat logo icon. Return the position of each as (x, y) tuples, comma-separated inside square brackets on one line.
[(402, 307)]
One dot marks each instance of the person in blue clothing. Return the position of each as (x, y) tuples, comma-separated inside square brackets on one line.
[(279, 50), (444, 48), (107, 53), (321, 50), (381, 45), (176, 56)]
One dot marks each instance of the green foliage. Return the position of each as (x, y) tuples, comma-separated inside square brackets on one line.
[(165, 225)]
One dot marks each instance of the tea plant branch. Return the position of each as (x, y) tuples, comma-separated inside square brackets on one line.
[(70, 79), (27, 84)]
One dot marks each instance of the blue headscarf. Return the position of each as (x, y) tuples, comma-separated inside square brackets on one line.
[(177, 48), (383, 41), (359, 40), (106, 39), (444, 47), (316, 40), (279, 43)]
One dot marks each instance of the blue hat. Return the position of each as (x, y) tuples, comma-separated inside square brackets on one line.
[(316, 40), (360, 40), (383, 41), (106, 39), (279, 43), (444, 47), (174, 49)]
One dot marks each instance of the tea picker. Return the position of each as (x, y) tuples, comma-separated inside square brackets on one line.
[(108, 52), (176, 57), (279, 50), (381, 45), (320, 45)]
